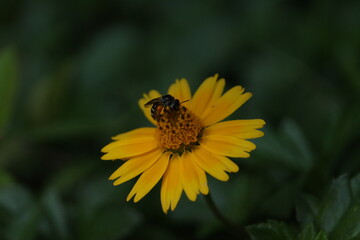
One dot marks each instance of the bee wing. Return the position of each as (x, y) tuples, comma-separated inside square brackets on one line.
[(151, 102)]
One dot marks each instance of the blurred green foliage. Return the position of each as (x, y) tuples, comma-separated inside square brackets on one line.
[(71, 73), (8, 80)]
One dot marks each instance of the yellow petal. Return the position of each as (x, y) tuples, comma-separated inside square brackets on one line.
[(146, 98), (149, 178), (193, 178), (227, 145), (243, 129), (225, 105), (219, 88), (209, 91), (164, 195), (210, 164), (203, 185), (180, 90), (228, 165), (139, 132), (123, 149), (171, 188), (135, 166), (131, 137)]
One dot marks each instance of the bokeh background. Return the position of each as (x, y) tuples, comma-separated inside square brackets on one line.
[(71, 73)]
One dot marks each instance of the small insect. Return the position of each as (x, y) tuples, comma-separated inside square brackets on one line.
[(158, 104)]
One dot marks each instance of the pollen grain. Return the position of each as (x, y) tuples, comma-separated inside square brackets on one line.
[(177, 130)]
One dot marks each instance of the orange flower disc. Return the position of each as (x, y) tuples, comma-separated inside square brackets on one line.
[(178, 130)]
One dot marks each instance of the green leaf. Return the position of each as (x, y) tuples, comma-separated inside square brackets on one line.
[(355, 186), (335, 204), (307, 209), (24, 226), (338, 213), (109, 223), (8, 82), (309, 233), (107, 215), (69, 176), (14, 199), (288, 147), (321, 236), (18, 212), (280, 202), (296, 145), (55, 212), (271, 230), (349, 225)]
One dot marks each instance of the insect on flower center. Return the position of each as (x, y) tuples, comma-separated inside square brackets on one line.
[(178, 130)]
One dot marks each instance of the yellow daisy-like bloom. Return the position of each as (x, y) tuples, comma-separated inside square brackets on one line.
[(186, 143)]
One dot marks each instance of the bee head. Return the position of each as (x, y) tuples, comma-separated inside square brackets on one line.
[(175, 105)]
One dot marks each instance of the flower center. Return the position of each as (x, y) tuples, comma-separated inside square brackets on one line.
[(178, 130)]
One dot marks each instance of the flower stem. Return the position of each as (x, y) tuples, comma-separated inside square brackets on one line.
[(236, 229)]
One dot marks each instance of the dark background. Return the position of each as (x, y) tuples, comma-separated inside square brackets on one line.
[(71, 73)]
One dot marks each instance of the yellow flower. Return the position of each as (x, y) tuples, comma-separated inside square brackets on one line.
[(186, 143)]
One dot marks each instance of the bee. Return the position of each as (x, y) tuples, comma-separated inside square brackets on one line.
[(158, 104)]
